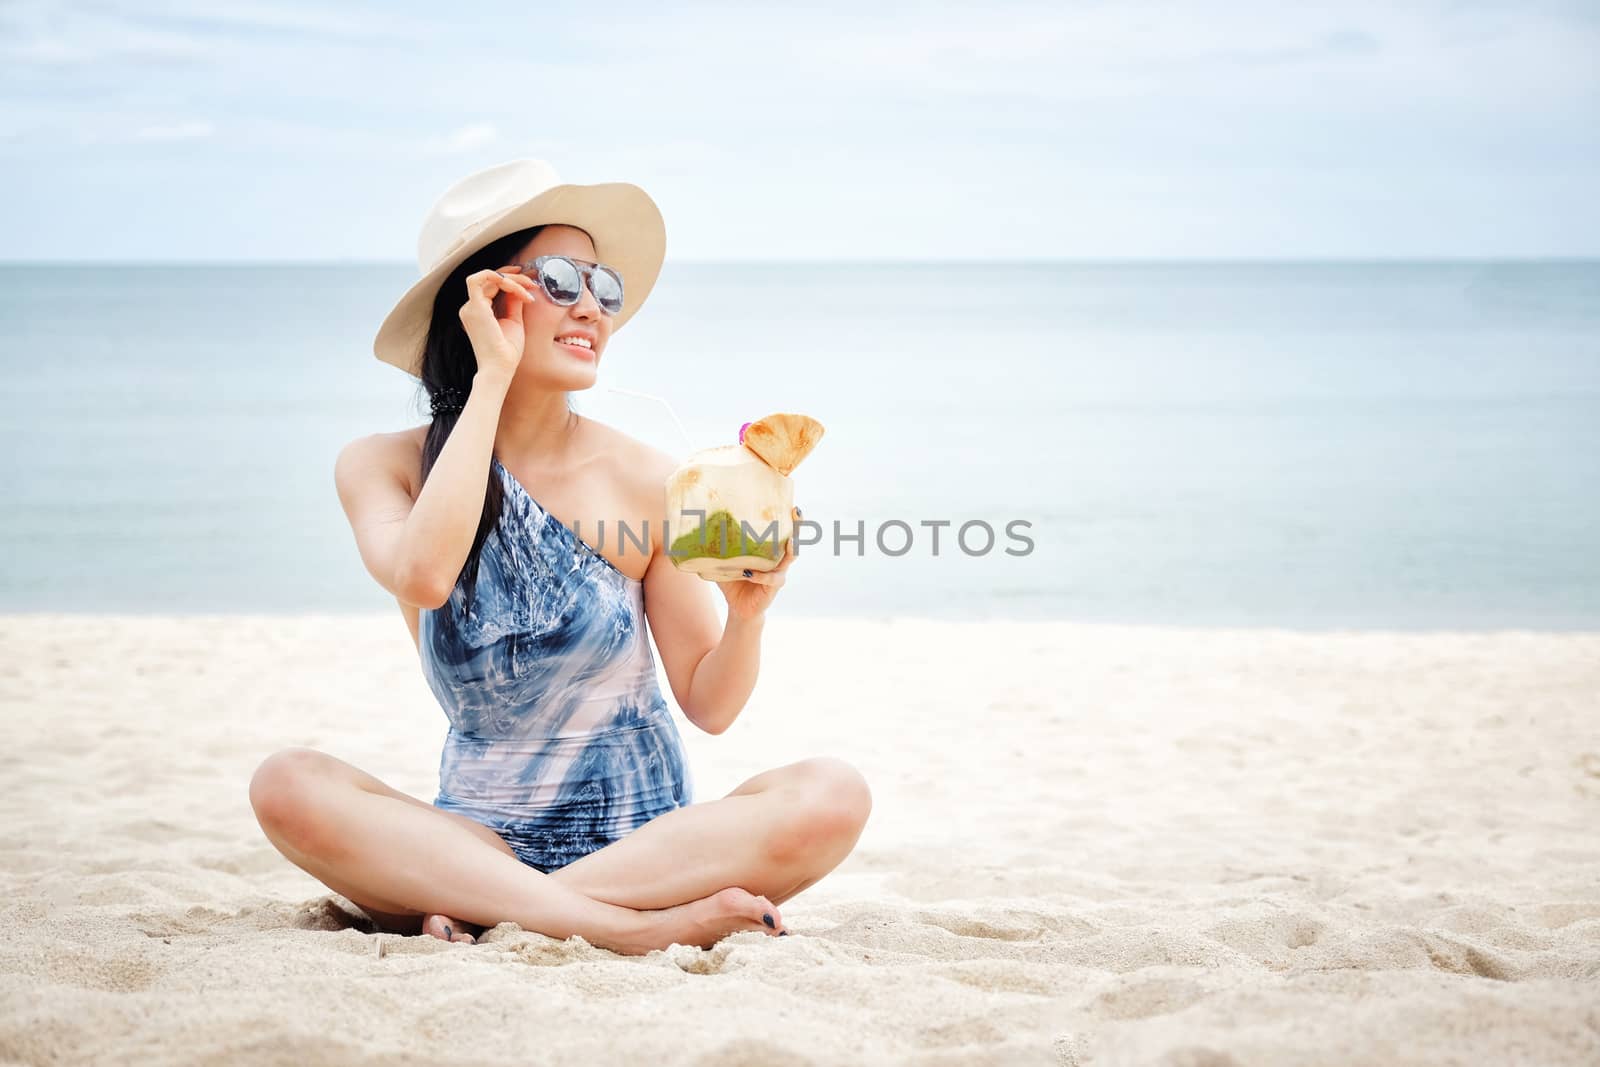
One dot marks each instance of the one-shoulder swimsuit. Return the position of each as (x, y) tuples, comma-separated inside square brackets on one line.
[(559, 740)]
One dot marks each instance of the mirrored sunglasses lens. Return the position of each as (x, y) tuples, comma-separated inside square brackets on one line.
[(607, 289), (562, 281)]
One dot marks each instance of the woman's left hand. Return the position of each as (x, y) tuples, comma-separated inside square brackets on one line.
[(749, 597)]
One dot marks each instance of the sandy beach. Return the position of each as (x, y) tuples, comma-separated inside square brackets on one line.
[(1090, 844)]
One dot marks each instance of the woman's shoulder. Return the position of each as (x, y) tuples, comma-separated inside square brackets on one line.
[(637, 469), (635, 464), (397, 452), (639, 473)]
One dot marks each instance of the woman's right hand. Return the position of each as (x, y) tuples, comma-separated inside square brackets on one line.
[(497, 340)]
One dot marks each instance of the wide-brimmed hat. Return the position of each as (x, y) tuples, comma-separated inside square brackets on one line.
[(624, 222)]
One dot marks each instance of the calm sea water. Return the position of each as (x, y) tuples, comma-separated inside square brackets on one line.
[(1310, 445)]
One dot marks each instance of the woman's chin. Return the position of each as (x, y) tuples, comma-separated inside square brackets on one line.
[(559, 378), (584, 377)]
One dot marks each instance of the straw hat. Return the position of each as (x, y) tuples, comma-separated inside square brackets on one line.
[(624, 222)]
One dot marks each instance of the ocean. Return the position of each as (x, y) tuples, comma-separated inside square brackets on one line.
[(1310, 445)]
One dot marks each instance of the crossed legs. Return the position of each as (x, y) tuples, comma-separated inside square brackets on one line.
[(774, 834), (690, 876)]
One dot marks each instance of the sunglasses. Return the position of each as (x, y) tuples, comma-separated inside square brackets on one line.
[(562, 279)]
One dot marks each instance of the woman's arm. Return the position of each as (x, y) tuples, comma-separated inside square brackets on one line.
[(711, 675), (711, 669), (416, 549)]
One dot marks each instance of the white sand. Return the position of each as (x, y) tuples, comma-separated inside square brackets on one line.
[(1089, 845)]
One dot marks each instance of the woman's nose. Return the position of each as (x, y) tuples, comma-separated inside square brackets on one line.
[(587, 305)]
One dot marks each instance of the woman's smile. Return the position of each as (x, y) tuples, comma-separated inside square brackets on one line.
[(575, 344)]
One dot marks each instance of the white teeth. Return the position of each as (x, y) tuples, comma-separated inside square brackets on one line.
[(582, 342)]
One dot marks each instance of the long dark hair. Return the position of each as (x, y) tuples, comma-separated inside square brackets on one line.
[(448, 362)]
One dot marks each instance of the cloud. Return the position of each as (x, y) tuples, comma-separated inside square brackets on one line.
[(1145, 117), (193, 130), (466, 139), (247, 22), (1335, 44), (100, 46), (52, 36)]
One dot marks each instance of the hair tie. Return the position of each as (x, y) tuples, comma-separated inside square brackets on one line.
[(447, 401)]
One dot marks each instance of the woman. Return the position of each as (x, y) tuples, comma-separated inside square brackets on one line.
[(564, 802)]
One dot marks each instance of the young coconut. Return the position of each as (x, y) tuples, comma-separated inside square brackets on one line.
[(731, 508)]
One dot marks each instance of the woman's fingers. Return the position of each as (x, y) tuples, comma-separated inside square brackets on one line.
[(484, 286), (520, 284), (789, 556), (515, 275), (486, 283), (773, 578), (775, 575)]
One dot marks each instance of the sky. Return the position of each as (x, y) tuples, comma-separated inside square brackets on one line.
[(197, 131)]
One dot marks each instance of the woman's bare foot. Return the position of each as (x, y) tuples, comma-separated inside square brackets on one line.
[(703, 922), (447, 929)]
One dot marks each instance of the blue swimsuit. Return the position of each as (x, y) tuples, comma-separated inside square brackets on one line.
[(560, 740)]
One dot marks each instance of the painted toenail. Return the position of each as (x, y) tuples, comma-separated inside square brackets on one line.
[(783, 933), (768, 920), (448, 933)]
